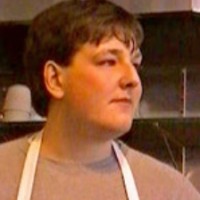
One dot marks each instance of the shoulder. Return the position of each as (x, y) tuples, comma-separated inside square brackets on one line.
[(12, 156), (13, 148), (154, 177), (147, 165)]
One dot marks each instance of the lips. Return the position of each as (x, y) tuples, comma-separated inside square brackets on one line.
[(122, 100)]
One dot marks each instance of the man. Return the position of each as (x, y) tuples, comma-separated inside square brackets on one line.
[(82, 69)]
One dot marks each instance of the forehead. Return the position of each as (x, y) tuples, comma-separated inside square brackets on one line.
[(114, 44), (125, 35)]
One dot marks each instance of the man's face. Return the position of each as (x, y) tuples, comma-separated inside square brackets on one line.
[(102, 86)]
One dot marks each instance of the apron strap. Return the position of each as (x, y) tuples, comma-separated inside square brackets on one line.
[(127, 175), (28, 174)]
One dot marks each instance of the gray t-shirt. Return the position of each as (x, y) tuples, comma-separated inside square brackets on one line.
[(101, 180)]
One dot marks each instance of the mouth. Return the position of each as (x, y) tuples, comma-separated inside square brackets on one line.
[(123, 106), (122, 100)]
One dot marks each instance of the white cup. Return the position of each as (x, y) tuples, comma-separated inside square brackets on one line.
[(17, 104)]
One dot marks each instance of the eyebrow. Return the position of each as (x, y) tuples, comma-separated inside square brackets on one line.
[(116, 52)]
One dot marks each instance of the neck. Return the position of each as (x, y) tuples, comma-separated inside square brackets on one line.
[(66, 142)]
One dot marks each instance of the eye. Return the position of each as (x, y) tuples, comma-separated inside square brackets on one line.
[(107, 62)]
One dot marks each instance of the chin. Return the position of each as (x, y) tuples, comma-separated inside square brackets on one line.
[(124, 129), (119, 129)]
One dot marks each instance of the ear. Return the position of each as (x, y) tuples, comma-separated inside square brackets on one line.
[(53, 79)]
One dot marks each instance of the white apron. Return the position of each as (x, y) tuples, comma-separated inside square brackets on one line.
[(28, 174)]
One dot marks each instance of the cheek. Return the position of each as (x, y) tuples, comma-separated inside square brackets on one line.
[(88, 88)]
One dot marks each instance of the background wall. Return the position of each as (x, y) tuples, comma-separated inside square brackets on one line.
[(25, 10)]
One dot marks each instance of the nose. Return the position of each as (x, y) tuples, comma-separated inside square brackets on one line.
[(129, 77)]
